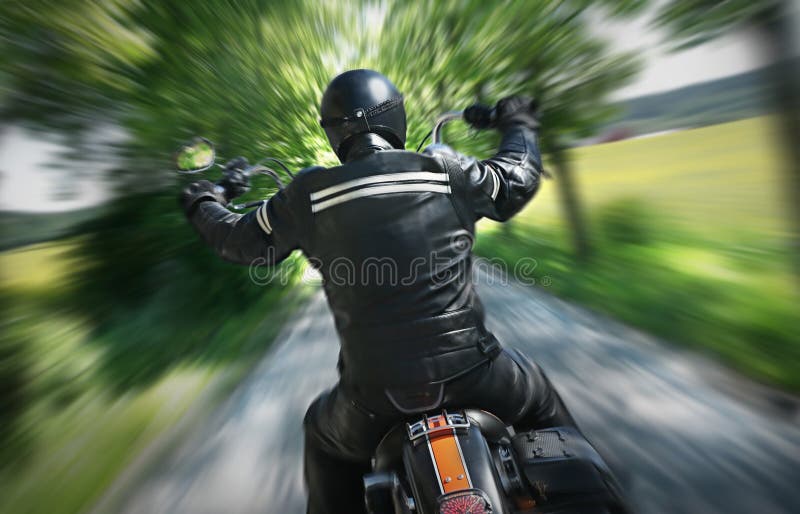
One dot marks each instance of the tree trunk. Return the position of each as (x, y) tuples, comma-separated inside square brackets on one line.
[(571, 204), (776, 29)]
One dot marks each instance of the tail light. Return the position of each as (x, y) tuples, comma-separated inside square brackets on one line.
[(471, 501)]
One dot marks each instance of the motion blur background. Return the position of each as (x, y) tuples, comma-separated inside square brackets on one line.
[(670, 129)]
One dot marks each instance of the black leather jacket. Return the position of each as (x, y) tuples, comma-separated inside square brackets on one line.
[(391, 233)]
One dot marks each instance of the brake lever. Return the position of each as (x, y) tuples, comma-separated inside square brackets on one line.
[(261, 169)]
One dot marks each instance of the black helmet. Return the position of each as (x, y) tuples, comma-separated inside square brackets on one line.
[(362, 101)]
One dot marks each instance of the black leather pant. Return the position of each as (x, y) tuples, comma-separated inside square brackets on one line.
[(344, 425)]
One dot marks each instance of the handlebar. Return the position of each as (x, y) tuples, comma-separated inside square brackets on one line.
[(443, 120), (485, 113), (201, 155), (249, 171), (478, 115)]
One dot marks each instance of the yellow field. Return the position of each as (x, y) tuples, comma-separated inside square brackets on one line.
[(724, 177), (709, 264)]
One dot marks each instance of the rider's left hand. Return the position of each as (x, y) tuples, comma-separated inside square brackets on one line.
[(202, 190)]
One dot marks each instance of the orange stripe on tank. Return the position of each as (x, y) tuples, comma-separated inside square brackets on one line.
[(450, 464)]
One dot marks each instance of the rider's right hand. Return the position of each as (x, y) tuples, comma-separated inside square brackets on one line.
[(516, 110), (479, 116), (510, 111)]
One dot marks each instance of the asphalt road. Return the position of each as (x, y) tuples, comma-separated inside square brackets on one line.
[(683, 434)]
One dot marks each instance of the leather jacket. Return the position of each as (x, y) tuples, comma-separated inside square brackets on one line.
[(391, 233)]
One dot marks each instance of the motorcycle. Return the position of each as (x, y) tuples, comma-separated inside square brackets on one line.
[(470, 462), (465, 461)]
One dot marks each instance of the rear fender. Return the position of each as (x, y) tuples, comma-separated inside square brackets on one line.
[(451, 462)]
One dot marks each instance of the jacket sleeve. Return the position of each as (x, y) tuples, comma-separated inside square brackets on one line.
[(499, 187), (267, 232)]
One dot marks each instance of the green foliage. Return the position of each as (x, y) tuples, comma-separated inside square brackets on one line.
[(143, 298), (724, 300), (248, 76), (694, 22), (14, 383), (709, 266), (626, 221), (79, 402)]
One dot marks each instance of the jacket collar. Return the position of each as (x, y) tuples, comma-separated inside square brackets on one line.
[(365, 144)]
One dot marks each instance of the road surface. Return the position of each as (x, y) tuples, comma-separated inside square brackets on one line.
[(684, 435)]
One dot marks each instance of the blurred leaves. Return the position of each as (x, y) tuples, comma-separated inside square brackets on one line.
[(129, 81), (693, 22), (724, 297), (67, 62), (627, 221), (248, 75)]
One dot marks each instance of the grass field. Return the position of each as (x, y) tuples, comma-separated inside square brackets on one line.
[(691, 242), (716, 181), (67, 432)]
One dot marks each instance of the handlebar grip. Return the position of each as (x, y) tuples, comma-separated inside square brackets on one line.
[(481, 116)]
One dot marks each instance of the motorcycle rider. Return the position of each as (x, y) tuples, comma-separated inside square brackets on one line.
[(413, 341)]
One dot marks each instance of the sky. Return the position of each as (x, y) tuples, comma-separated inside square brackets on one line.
[(28, 182), (663, 70)]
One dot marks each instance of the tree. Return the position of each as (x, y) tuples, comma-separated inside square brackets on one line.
[(693, 22), (248, 75), (167, 70), (544, 49)]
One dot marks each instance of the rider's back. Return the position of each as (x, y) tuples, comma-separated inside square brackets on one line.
[(387, 239), (394, 253)]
